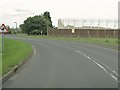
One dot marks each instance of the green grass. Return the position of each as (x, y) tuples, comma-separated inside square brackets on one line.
[(14, 52), (99, 41), (0, 56)]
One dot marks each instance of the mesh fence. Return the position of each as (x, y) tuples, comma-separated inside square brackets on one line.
[(87, 24)]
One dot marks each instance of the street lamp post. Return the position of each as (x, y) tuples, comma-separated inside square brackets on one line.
[(16, 26)]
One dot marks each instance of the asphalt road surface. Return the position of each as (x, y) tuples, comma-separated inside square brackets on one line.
[(62, 64)]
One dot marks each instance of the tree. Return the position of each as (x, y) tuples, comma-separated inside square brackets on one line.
[(39, 23), (33, 23), (9, 29), (48, 18)]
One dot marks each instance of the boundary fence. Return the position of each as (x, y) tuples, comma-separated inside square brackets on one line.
[(86, 33)]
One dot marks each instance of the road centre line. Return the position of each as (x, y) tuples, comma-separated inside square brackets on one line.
[(98, 63), (101, 65)]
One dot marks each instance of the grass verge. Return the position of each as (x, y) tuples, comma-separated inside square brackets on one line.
[(0, 65), (14, 53), (112, 42)]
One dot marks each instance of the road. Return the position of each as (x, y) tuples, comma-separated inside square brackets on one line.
[(62, 64)]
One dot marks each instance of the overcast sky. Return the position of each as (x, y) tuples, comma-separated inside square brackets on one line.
[(18, 10)]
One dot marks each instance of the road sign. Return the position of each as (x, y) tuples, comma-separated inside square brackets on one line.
[(3, 29), (73, 30)]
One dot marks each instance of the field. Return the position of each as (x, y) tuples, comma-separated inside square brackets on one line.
[(14, 53)]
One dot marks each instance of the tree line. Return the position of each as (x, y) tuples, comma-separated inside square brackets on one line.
[(38, 24)]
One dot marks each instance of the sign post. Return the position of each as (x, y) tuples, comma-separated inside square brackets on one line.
[(3, 30), (2, 42)]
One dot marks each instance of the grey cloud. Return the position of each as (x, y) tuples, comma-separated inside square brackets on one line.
[(19, 15), (15, 15), (21, 10)]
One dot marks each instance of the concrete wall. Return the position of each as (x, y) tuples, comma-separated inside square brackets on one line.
[(96, 33)]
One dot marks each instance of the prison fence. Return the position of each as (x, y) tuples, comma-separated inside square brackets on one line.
[(85, 33)]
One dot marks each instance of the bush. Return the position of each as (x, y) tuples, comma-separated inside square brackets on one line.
[(106, 40)]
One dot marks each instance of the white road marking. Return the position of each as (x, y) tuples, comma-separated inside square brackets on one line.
[(97, 63), (112, 70), (92, 59), (100, 66), (88, 57), (114, 77), (115, 72)]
